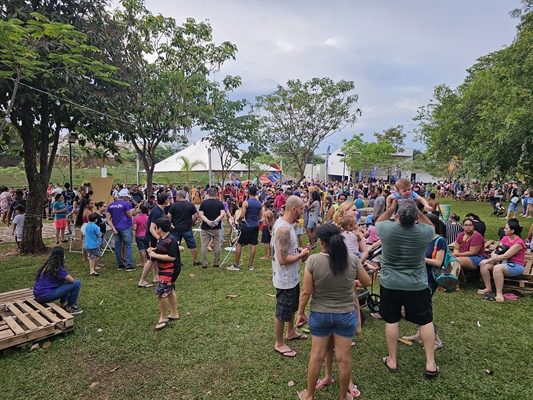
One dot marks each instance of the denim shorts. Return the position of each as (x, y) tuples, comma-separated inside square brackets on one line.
[(513, 269), (188, 236), (300, 230), (311, 225), (141, 243), (513, 207), (476, 260), (93, 253), (325, 324)]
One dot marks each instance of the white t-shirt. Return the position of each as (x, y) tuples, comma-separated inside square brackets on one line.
[(285, 276), (19, 221)]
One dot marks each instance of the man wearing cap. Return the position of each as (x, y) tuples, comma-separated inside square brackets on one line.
[(403, 278), (119, 217)]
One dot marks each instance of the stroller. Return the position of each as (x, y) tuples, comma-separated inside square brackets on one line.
[(367, 298), (498, 209)]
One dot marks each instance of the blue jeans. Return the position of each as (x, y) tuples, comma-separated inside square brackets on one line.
[(65, 292), (126, 237)]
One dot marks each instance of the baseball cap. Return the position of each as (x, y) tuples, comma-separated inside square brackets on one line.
[(123, 193)]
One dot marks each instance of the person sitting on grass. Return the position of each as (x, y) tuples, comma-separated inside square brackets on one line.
[(91, 243), (167, 255), (510, 263), (53, 282), (18, 224)]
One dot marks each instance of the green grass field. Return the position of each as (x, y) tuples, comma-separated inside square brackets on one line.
[(222, 348)]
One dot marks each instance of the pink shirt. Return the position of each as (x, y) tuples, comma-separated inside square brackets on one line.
[(476, 240), (520, 256), (141, 221), (372, 235)]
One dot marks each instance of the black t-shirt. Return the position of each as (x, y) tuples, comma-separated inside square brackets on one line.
[(69, 196), (101, 222), (182, 213), (155, 214), (168, 270), (137, 197), (211, 209), (479, 226)]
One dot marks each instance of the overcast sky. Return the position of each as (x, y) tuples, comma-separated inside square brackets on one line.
[(395, 51)]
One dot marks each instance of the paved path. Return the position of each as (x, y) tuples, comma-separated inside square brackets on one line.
[(7, 237)]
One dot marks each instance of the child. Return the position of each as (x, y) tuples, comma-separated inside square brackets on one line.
[(59, 209), (91, 243), (403, 190), (52, 282), (167, 255), (268, 223), (18, 224), (140, 224), (355, 241)]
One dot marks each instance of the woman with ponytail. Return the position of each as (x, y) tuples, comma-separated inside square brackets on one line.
[(329, 278)]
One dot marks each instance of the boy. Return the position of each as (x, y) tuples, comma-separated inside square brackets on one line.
[(92, 243), (167, 255), (403, 190), (18, 224), (268, 224)]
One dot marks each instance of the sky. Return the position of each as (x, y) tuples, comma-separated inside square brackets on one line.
[(395, 51)]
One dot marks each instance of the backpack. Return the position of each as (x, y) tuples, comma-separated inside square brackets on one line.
[(447, 274)]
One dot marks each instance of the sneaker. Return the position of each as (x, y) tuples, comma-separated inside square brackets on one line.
[(216, 266), (75, 310), (438, 344), (57, 242), (196, 263), (68, 233), (204, 266), (130, 269), (121, 268), (233, 268), (250, 267)]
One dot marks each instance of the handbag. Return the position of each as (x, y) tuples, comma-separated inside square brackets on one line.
[(447, 274), (515, 199), (501, 249)]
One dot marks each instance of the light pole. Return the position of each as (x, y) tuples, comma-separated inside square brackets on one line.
[(343, 164), (71, 140)]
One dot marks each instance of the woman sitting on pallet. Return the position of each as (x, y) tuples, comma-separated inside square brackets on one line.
[(53, 282), (507, 260)]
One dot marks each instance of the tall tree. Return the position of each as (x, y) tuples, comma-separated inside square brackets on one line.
[(366, 156), (297, 118), (48, 68), (168, 71)]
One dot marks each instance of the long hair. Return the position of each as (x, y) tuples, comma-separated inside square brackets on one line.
[(79, 218), (53, 264), (339, 214), (315, 196), (436, 222), (335, 247), (514, 225)]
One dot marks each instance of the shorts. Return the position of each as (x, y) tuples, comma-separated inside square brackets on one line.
[(266, 236), (300, 230), (249, 236), (287, 301), (163, 289), (311, 225), (18, 237), (417, 305), (83, 228), (513, 207), (476, 260), (141, 244), (513, 269), (188, 236), (60, 223), (325, 324), (93, 253)]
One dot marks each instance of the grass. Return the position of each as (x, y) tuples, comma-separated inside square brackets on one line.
[(223, 348)]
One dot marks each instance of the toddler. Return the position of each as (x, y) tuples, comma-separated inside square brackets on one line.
[(403, 190), (18, 224)]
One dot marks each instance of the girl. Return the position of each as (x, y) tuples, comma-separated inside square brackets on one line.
[(354, 239), (53, 282), (82, 219), (59, 209), (140, 224)]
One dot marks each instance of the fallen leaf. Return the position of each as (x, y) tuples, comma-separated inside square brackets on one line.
[(407, 342), (453, 322), (102, 302), (291, 384), (114, 369), (271, 295), (231, 296), (187, 313), (35, 346), (488, 371), (191, 276), (306, 330), (99, 330), (93, 384), (47, 345)]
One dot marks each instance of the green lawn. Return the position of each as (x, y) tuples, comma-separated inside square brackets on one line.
[(223, 348)]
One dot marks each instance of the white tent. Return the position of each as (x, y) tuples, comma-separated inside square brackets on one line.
[(200, 151)]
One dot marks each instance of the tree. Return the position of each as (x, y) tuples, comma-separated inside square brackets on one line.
[(168, 71), (366, 156), (189, 166), (296, 119), (228, 130), (47, 68)]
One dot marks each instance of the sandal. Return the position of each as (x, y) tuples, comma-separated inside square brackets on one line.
[(321, 384), (484, 292), (94, 273), (356, 393), (413, 338)]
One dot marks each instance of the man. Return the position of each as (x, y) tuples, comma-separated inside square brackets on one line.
[(211, 212), (379, 204), (404, 280), (183, 215), (251, 212), (136, 195), (118, 216), (57, 189), (286, 274), (151, 237), (228, 191), (279, 200)]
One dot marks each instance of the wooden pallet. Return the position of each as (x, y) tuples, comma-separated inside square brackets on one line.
[(522, 284), (25, 320)]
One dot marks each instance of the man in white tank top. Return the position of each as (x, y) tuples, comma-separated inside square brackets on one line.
[(286, 274)]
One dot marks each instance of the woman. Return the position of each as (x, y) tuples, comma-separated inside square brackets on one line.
[(53, 282), (469, 246), (197, 199), (510, 263), (434, 258), (59, 209), (82, 219), (330, 278), (453, 228)]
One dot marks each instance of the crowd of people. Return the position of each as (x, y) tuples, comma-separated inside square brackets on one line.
[(404, 219)]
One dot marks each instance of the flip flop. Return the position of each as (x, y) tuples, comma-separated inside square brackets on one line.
[(356, 393), (321, 385), (499, 299), (94, 273), (284, 353), (148, 285), (174, 319), (300, 336), (432, 374), (164, 323), (376, 315), (302, 395), (510, 296), (386, 363)]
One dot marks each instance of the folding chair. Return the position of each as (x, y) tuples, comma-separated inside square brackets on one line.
[(75, 237), (108, 240), (235, 233)]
